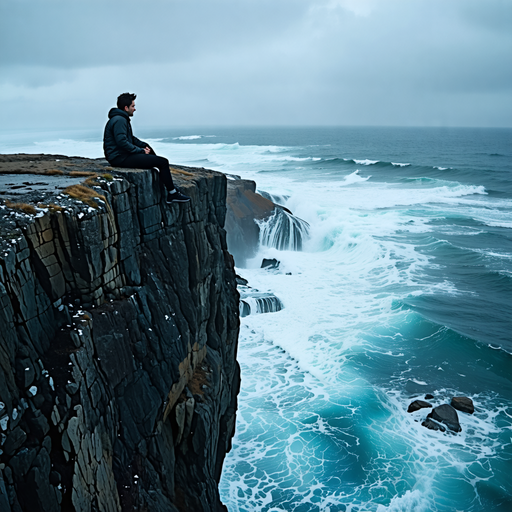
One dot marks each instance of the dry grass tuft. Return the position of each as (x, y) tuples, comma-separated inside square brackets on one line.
[(52, 172), (55, 207), (24, 207), (84, 194), (90, 181), (179, 171), (107, 176), (86, 317), (84, 173), (52, 207)]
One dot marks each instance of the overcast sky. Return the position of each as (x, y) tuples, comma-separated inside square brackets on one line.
[(257, 62)]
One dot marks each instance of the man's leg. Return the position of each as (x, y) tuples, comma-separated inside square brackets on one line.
[(143, 161)]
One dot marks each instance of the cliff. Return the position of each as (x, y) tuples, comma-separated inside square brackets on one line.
[(118, 337)]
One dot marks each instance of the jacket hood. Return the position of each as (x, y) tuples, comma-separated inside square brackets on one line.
[(118, 112)]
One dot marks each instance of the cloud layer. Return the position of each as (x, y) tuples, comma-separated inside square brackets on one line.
[(198, 62)]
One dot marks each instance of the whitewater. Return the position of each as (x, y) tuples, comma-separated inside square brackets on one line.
[(402, 287)]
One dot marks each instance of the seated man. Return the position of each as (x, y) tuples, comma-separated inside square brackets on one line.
[(122, 149)]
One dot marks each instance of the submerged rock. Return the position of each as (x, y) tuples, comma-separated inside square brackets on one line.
[(447, 415), (417, 405), (270, 263), (463, 404)]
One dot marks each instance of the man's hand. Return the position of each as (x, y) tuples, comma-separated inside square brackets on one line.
[(147, 150)]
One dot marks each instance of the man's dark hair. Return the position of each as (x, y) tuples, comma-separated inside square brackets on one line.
[(125, 100)]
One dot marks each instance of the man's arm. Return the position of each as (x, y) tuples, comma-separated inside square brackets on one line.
[(144, 145), (120, 133), (140, 143)]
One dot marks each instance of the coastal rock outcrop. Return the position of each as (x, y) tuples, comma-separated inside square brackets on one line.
[(118, 339), (446, 415), (246, 210), (463, 404)]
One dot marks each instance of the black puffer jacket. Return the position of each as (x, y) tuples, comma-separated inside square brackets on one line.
[(118, 139)]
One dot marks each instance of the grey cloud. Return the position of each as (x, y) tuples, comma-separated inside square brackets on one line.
[(35, 76), (257, 61), (62, 33)]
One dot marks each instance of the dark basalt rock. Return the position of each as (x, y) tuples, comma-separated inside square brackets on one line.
[(271, 263), (463, 404), (246, 208), (428, 396), (447, 415), (240, 280), (119, 328), (417, 405)]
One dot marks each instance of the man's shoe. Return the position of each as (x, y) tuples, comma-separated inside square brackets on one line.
[(177, 197)]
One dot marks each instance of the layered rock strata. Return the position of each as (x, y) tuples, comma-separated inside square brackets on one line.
[(118, 339)]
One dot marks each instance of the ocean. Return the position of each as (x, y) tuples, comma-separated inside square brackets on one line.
[(403, 287)]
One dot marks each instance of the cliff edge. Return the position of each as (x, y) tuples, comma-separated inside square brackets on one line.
[(119, 320)]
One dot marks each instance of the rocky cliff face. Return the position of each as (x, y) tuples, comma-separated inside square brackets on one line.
[(118, 338)]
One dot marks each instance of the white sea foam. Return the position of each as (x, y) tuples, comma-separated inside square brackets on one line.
[(365, 162), (188, 137), (399, 164), (355, 178)]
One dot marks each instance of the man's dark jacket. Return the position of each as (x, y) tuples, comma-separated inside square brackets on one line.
[(118, 139)]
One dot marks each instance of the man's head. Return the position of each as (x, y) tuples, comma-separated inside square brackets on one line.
[(126, 102)]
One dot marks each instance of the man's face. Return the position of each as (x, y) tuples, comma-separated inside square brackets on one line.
[(131, 109)]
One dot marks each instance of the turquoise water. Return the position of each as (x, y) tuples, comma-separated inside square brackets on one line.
[(403, 287)]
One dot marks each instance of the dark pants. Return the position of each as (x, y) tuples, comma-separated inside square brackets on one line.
[(143, 161)]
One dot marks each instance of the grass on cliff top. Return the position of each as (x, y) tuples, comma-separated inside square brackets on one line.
[(179, 171), (24, 207), (84, 194), (52, 207), (84, 173)]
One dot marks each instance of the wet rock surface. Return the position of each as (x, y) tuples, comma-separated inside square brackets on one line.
[(417, 405), (119, 327), (245, 206), (271, 263), (446, 415), (246, 209), (463, 404)]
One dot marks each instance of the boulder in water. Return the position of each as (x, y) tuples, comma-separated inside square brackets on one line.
[(428, 396), (417, 405), (447, 415), (463, 404), (270, 263)]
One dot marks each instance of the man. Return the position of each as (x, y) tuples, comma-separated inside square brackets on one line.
[(122, 149)]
